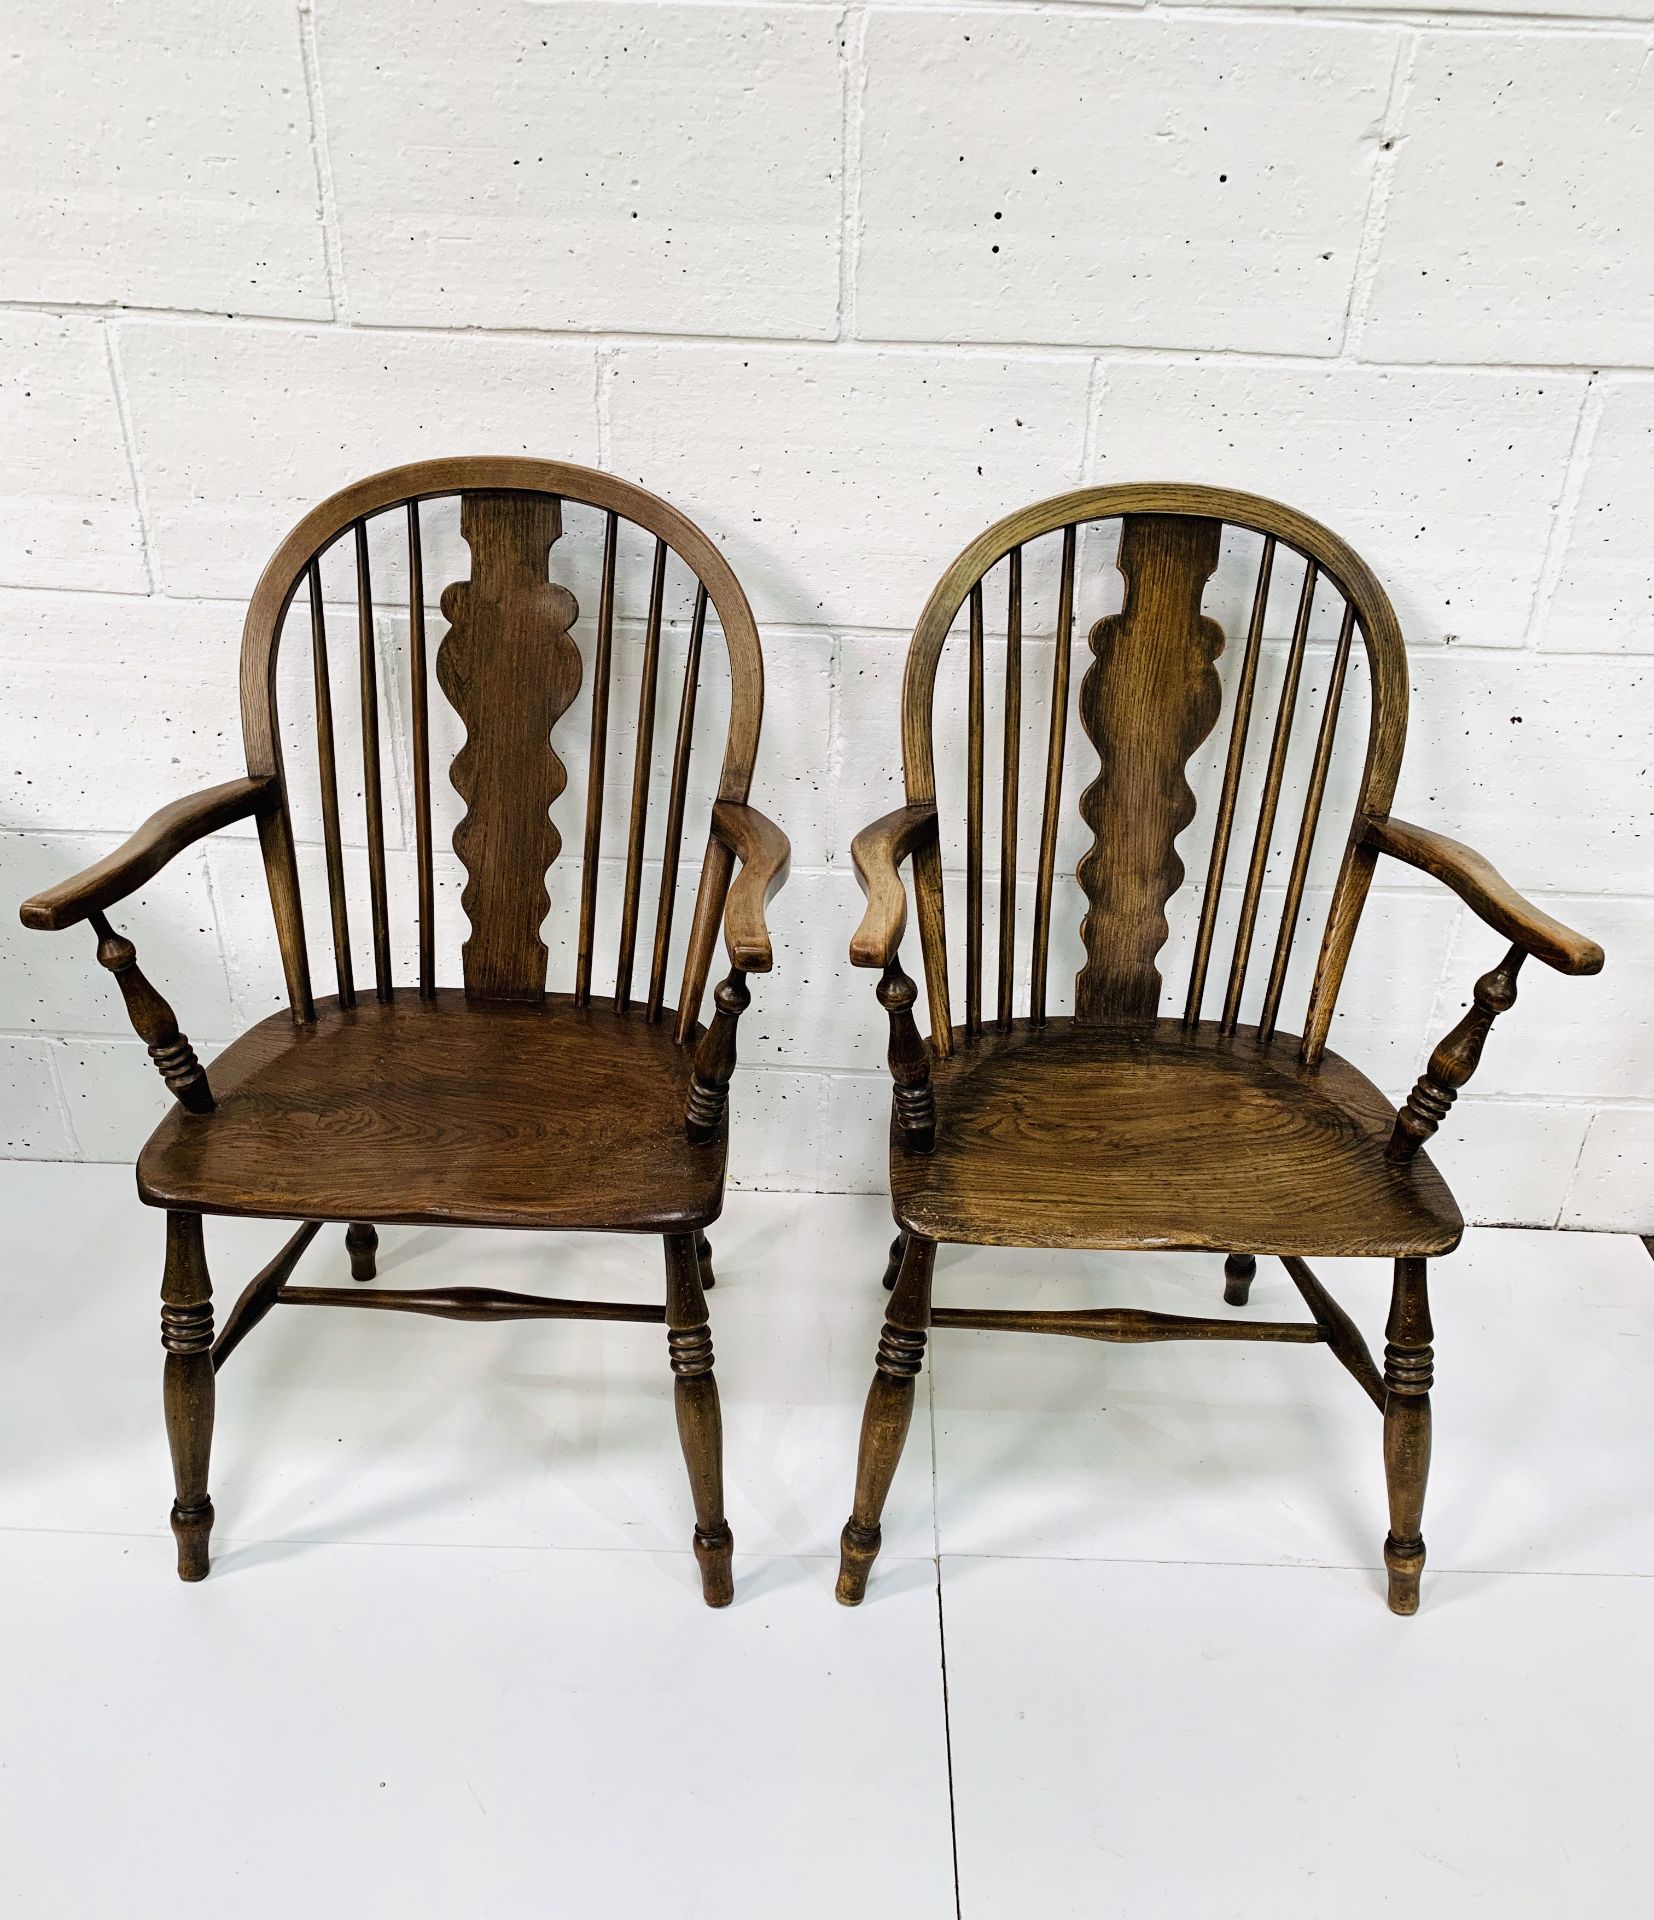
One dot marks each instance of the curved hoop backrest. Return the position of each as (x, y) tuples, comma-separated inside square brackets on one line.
[(510, 668), (1150, 697)]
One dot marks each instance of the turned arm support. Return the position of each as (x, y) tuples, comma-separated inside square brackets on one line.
[(158, 840), (761, 849), (878, 852), (1493, 899)]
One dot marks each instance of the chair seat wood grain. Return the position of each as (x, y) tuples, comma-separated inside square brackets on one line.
[(1164, 1137), (501, 1114)]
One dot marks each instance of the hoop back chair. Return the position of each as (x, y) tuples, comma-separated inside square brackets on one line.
[(494, 1103), (1127, 1125)]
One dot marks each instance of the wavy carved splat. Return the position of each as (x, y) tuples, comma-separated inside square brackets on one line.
[(510, 671), (1150, 697)]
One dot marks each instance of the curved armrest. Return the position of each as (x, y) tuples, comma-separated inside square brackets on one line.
[(1487, 893), (762, 849), (162, 836), (878, 852)]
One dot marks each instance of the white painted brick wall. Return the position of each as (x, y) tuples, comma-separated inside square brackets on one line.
[(845, 282)]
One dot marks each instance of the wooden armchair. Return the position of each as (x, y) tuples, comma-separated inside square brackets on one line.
[(496, 1104), (1116, 1127)]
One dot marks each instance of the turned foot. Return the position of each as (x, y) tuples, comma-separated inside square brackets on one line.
[(192, 1529), (894, 1265), (1239, 1270), (715, 1555), (362, 1244)]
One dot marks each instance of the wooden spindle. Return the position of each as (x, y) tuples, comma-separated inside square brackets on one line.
[(595, 766), (328, 768), (717, 870), (153, 1020), (640, 782), (1306, 827), (1053, 779), (912, 1099), (369, 672), (421, 757), (675, 804), (1224, 824), (1010, 771), (973, 825), (715, 1061), (1271, 800), (1455, 1059)]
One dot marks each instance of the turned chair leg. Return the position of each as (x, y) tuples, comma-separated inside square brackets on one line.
[(703, 1255), (889, 1411), (362, 1244), (700, 1425), (894, 1265), (1239, 1271), (1408, 1370), (187, 1387)]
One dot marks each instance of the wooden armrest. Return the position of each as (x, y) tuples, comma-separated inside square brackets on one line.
[(764, 854), (163, 835), (1487, 893), (878, 852)]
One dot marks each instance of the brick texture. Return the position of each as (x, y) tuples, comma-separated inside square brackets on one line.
[(846, 284)]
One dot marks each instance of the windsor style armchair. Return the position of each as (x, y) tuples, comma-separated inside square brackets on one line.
[(1113, 1126), (495, 1103)]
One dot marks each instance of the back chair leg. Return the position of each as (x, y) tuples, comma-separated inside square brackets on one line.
[(1239, 1271), (894, 1265), (362, 1244), (700, 1425), (1408, 1371), (889, 1412), (187, 1387), (703, 1255)]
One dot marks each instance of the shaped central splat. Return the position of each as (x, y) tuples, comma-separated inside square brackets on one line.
[(1150, 697), (510, 671)]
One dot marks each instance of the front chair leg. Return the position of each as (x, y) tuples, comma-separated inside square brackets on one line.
[(703, 1255), (889, 1411), (362, 1244), (700, 1425), (187, 1387), (1408, 1370)]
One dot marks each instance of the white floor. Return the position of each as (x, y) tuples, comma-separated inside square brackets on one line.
[(1125, 1653)]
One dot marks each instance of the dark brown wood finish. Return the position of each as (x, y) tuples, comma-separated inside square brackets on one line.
[(510, 671), (1120, 1127), (187, 1388), (498, 1104), (1151, 696)]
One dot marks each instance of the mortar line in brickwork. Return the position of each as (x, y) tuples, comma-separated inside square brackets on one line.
[(1573, 1174), (1468, 21), (602, 362), (868, 346), (123, 413), (327, 208), (1586, 422), (1373, 221), (853, 80)]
